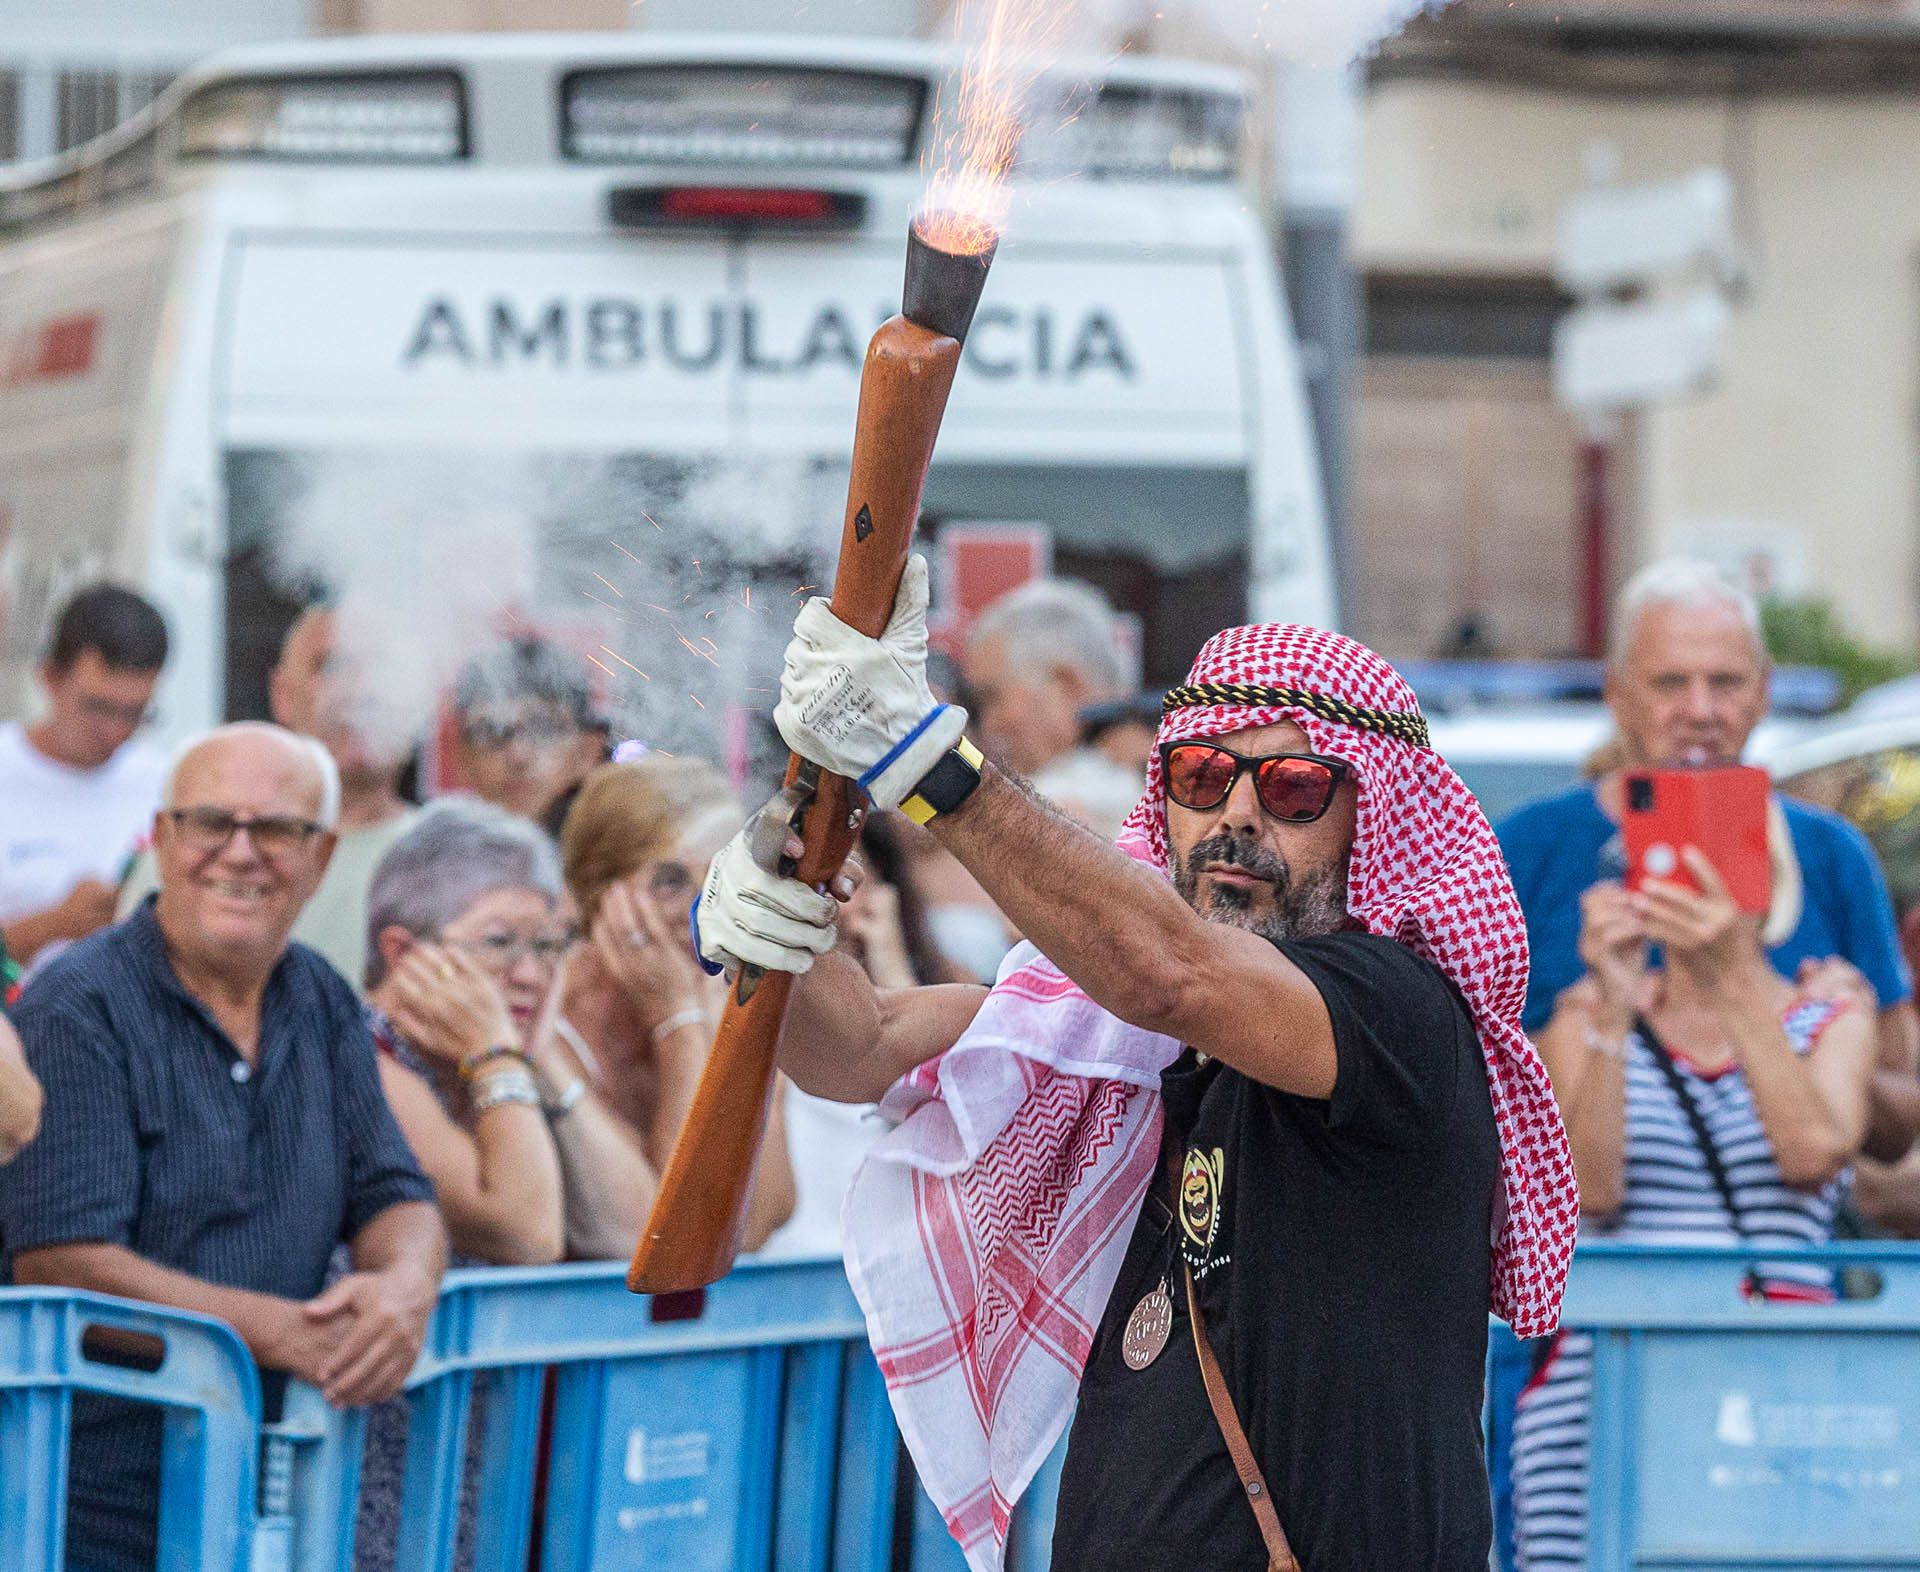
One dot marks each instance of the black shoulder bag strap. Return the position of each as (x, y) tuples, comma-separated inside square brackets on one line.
[(1703, 1137)]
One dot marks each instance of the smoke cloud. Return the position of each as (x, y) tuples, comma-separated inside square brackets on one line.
[(674, 582)]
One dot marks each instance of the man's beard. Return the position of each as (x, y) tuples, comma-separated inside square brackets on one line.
[(1303, 908)]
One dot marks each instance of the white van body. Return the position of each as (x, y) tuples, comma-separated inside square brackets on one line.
[(192, 326)]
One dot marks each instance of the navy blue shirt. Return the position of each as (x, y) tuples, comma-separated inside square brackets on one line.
[(1559, 846), (159, 1137)]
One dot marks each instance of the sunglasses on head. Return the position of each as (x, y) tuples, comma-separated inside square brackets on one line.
[(1296, 788)]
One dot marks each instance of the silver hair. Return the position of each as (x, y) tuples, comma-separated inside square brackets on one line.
[(458, 850), (308, 748), (1057, 622), (1681, 581)]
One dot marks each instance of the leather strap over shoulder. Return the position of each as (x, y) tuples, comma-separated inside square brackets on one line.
[(1280, 1556)]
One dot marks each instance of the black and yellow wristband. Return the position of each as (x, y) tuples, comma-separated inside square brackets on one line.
[(948, 784)]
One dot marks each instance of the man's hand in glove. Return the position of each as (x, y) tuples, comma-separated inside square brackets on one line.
[(860, 707), (747, 915)]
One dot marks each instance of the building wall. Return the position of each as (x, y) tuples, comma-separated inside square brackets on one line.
[(1805, 449)]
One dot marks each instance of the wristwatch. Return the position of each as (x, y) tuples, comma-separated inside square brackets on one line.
[(948, 784)]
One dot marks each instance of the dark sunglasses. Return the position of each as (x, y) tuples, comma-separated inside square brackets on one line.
[(1294, 787), (205, 830)]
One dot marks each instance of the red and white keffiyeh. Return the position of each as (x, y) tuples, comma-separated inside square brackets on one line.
[(984, 1234)]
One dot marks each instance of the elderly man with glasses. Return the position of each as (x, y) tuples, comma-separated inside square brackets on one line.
[(1228, 1168), (214, 1124)]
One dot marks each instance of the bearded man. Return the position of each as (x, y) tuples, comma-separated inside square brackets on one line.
[(1230, 1165)]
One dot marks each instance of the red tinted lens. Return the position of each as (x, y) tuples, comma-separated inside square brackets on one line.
[(1199, 776), (1296, 789)]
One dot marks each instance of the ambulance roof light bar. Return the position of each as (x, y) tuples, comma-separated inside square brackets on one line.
[(1134, 132), (742, 114), (398, 117)]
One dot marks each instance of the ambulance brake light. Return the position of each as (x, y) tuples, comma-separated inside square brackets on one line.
[(794, 118), (734, 207), (410, 117)]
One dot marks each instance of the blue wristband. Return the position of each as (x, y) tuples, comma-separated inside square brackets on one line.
[(693, 929), (900, 747)]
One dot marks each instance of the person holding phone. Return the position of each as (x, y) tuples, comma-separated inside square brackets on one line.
[(1708, 1100), (1687, 682)]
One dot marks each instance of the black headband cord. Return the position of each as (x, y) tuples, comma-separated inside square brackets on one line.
[(1403, 727)]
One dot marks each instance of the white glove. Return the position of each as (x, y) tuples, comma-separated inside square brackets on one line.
[(748, 916), (860, 707)]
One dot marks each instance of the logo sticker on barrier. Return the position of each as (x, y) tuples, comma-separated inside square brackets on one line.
[(686, 1454), (684, 1463), (1788, 1448)]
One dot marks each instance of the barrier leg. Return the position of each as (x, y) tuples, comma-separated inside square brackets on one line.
[(1612, 1505), (509, 1461), (310, 1485), (809, 1443), (430, 1497), (869, 1467), (33, 1476)]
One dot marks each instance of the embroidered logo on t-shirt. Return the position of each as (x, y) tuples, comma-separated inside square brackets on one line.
[(1203, 1176)]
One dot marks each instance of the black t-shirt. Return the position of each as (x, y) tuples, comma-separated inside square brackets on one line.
[(1341, 1251)]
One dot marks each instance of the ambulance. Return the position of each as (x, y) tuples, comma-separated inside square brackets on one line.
[(601, 301)]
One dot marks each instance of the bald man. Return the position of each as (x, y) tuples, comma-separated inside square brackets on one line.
[(316, 691), (214, 1124)]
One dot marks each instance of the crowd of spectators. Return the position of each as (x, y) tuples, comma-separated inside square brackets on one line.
[(288, 1042)]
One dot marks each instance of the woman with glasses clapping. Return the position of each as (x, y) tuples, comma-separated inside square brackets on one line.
[(637, 845), (466, 944)]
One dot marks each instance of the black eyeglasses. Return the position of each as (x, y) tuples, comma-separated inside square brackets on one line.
[(205, 831), (1294, 787)]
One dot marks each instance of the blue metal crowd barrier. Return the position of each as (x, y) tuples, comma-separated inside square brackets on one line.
[(1734, 1431), (55, 1342), (751, 1431), (752, 1434)]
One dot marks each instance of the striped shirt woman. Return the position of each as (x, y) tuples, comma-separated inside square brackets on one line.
[(1709, 1102)]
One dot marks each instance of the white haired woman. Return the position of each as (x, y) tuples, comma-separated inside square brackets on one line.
[(466, 940), (1706, 1102)]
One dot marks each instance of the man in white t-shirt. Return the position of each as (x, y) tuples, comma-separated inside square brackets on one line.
[(77, 790)]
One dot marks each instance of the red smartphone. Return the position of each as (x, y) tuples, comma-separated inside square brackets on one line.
[(1722, 811)]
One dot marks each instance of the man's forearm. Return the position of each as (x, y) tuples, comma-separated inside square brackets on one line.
[(263, 1321), (1065, 889), (409, 1236), (847, 1041), (832, 1028)]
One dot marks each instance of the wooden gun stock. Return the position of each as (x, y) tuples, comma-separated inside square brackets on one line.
[(693, 1231)]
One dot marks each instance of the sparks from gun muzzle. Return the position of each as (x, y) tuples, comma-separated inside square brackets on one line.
[(980, 118)]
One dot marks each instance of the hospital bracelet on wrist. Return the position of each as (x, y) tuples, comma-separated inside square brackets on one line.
[(693, 1015), (480, 1058), (1600, 1042), (502, 1087)]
